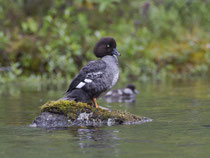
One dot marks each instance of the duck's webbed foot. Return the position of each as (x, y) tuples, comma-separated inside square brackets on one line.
[(95, 103)]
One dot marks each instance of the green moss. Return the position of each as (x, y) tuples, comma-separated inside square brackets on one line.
[(72, 109)]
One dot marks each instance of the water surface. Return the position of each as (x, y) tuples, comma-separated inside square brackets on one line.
[(181, 125)]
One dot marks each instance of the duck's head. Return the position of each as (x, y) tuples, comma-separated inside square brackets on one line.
[(133, 88), (105, 46)]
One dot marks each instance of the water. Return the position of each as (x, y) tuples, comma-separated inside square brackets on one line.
[(180, 128)]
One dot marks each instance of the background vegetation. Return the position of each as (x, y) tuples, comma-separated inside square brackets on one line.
[(53, 39)]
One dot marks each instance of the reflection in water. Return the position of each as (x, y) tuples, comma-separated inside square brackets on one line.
[(95, 137), (207, 126), (120, 99), (180, 111)]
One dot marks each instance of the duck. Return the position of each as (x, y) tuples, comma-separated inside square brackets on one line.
[(98, 76), (129, 91)]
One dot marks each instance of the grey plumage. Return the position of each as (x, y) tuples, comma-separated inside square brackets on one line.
[(112, 64), (102, 79)]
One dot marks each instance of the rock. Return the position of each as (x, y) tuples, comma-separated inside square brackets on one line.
[(64, 113)]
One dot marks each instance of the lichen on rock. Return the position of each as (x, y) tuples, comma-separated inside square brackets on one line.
[(64, 113)]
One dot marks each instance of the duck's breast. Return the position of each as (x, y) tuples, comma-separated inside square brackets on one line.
[(112, 71)]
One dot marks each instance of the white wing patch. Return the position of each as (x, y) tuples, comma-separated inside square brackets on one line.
[(80, 85), (88, 80)]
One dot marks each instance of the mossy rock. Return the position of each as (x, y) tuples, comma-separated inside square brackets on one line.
[(64, 113)]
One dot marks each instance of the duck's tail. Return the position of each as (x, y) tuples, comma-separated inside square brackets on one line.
[(77, 95)]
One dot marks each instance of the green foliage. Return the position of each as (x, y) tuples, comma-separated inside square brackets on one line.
[(157, 39), (12, 74), (30, 26)]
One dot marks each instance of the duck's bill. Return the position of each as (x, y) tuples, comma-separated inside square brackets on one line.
[(115, 52)]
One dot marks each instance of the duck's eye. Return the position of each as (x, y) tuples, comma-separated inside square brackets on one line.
[(107, 45)]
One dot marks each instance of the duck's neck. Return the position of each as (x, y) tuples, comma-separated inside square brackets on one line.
[(110, 59)]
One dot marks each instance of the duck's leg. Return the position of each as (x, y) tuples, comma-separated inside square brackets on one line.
[(95, 103)]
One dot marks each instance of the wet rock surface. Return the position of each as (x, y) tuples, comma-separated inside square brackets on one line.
[(59, 114)]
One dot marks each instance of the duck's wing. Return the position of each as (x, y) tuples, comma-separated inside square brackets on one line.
[(88, 75)]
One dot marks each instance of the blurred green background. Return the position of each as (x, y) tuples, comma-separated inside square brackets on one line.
[(53, 39)]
